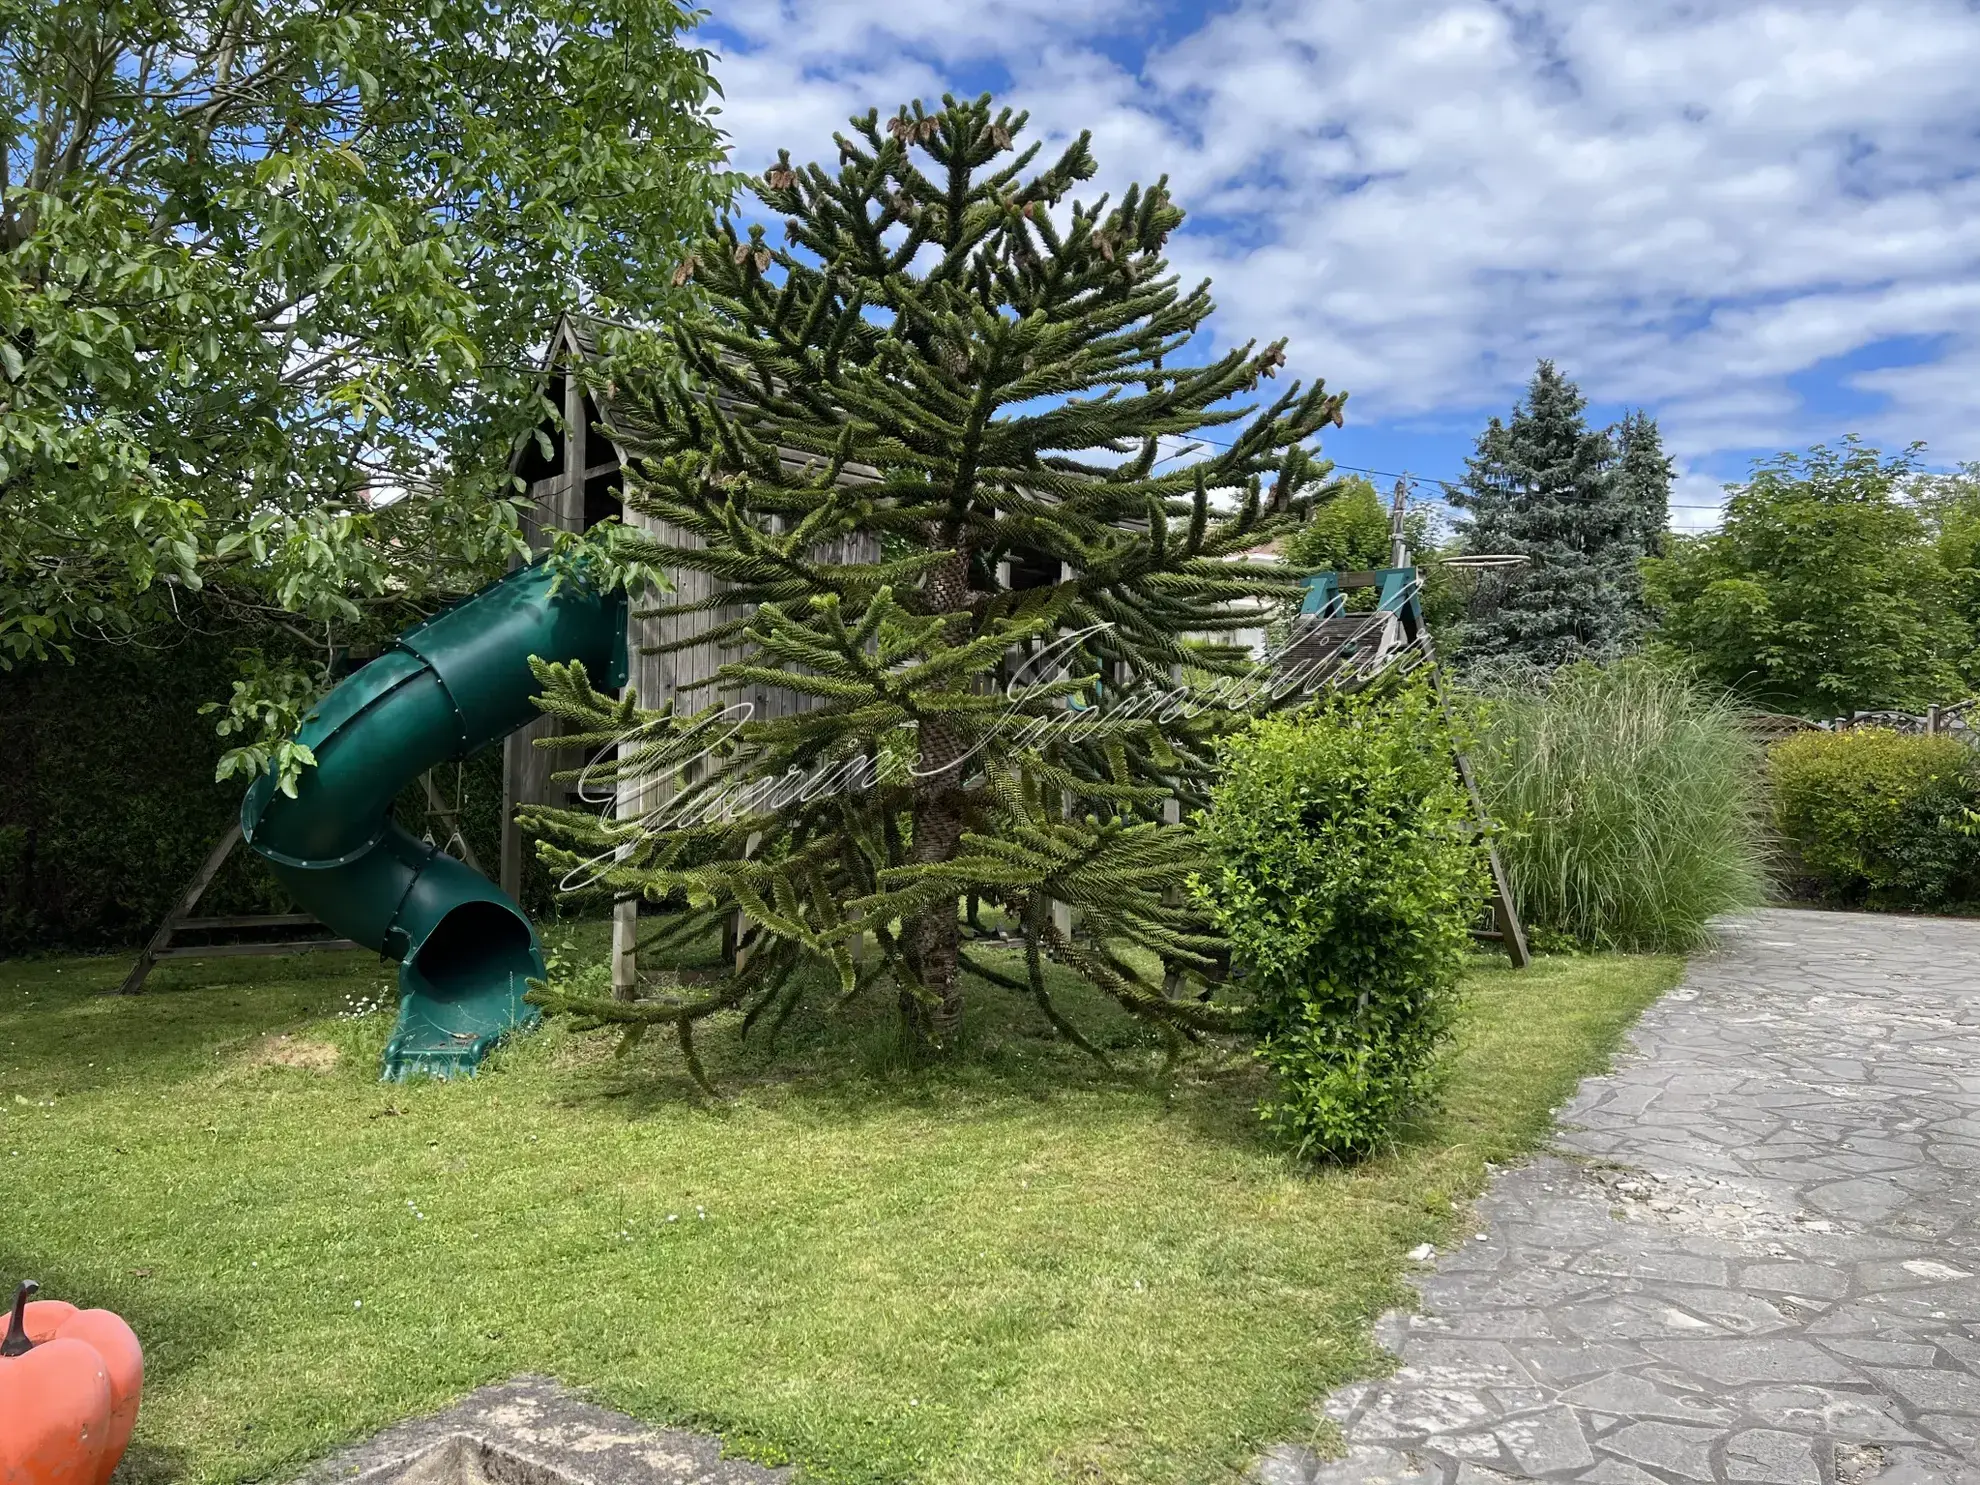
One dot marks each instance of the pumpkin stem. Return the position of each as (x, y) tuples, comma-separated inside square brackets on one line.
[(17, 1342)]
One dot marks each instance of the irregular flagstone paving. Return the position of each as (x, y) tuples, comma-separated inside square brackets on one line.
[(1756, 1256)]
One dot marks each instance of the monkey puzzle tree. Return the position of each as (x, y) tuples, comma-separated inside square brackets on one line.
[(954, 369)]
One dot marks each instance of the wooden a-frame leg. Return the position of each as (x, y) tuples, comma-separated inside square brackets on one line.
[(181, 910), (450, 816), (1511, 933)]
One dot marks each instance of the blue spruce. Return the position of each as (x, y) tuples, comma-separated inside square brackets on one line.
[(1643, 479), (1548, 488)]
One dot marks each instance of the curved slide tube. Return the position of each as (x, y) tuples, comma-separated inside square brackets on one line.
[(447, 687)]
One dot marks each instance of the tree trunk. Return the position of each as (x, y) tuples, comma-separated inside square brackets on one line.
[(933, 937)]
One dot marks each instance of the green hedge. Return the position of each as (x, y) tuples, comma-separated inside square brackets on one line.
[(1880, 818), (107, 799)]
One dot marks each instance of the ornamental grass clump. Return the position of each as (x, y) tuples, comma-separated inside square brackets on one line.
[(1629, 801), (1345, 872)]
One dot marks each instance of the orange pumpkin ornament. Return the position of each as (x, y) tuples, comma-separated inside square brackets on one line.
[(69, 1386)]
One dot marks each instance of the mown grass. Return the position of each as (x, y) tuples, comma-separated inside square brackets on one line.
[(1021, 1267)]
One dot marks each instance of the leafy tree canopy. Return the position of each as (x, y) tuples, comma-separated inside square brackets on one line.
[(1823, 592), (1347, 533), (1951, 503), (266, 265)]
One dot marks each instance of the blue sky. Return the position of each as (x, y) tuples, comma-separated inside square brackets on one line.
[(1759, 221)]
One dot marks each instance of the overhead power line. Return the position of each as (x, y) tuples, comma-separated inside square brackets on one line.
[(1387, 474)]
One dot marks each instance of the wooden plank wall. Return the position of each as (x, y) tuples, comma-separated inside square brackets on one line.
[(682, 676), (557, 504), (587, 452)]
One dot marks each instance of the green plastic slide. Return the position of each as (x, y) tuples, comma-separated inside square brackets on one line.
[(447, 687)]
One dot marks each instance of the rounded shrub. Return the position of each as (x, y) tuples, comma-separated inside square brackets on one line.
[(1344, 871), (1629, 802), (1880, 817)]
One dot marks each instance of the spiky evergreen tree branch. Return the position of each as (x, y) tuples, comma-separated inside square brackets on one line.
[(951, 365)]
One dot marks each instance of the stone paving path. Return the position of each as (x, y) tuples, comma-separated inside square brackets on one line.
[(1756, 1256)]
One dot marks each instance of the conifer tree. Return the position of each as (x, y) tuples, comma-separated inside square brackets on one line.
[(1006, 359), (1643, 479), (1544, 487)]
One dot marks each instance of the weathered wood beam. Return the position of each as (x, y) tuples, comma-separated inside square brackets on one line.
[(251, 920), (231, 951)]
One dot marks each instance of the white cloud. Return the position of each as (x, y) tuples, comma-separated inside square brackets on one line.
[(1696, 500), (1685, 204)]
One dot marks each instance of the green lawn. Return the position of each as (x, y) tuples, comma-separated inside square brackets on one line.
[(1019, 1268)]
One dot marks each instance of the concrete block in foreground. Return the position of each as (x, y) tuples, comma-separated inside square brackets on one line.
[(530, 1431)]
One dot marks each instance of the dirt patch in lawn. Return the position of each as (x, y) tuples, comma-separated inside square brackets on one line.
[(280, 1049)]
